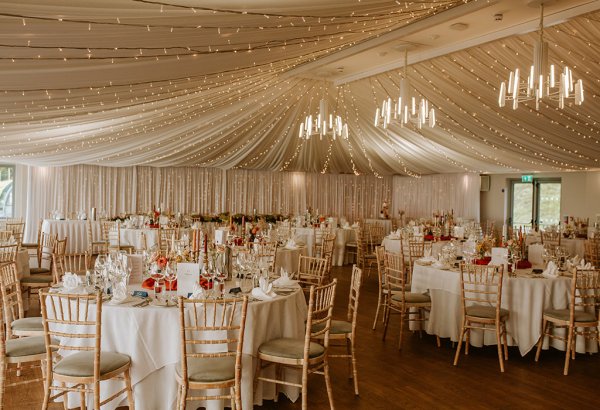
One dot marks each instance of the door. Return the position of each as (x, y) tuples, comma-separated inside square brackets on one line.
[(535, 203)]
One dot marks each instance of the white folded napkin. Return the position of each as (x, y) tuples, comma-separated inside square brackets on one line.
[(584, 266), (551, 270), (185, 239), (71, 281), (264, 291), (291, 244), (355, 225), (346, 225), (119, 294), (284, 279), (199, 292)]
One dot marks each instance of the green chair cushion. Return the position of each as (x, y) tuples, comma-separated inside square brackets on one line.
[(37, 271), (81, 364), (209, 369), (485, 312), (37, 279), (290, 348), (338, 327), (564, 314), (25, 346), (28, 324), (412, 297)]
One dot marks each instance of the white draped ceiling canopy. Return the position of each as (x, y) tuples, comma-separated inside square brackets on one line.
[(207, 84)]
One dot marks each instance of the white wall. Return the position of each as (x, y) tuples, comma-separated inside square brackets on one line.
[(580, 195)]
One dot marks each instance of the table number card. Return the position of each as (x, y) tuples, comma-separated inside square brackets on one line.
[(500, 257), (136, 263), (188, 274)]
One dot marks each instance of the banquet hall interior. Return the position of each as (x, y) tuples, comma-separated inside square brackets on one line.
[(352, 204)]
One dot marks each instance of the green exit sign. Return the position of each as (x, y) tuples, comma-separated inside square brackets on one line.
[(526, 178)]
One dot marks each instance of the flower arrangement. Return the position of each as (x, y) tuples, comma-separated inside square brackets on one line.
[(484, 247)]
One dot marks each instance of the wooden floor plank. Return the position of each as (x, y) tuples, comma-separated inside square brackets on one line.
[(422, 376)]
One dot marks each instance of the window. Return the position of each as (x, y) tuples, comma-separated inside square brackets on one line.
[(535, 203), (7, 176)]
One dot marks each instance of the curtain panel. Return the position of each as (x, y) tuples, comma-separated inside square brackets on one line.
[(138, 189)]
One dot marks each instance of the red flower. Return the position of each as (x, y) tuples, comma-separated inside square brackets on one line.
[(162, 262)]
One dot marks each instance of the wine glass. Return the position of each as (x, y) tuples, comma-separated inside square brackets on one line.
[(99, 268), (158, 275), (170, 277)]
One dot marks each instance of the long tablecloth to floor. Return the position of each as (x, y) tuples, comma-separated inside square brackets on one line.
[(525, 297)]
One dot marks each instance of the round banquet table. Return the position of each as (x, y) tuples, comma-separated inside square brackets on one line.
[(525, 296), (150, 336), (288, 258), (75, 230)]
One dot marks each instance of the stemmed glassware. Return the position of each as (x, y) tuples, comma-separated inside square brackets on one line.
[(158, 275), (170, 275)]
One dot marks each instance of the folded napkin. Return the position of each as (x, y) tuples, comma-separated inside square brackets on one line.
[(264, 291), (584, 266), (198, 293), (291, 244), (284, 279), (551, 270), (119, 294), (71, 281), (355, 225), (346, 225)]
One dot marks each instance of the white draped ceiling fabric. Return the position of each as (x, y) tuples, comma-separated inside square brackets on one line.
[(189, 83)]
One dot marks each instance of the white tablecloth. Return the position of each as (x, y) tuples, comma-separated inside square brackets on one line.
[(387, 224), (342, 237), (574, 246), (150, 336), (288, 258), (74, 230), (525, 298), (307, 237), (131, 236)]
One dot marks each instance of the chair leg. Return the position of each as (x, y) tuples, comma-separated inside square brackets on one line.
[(505, 340), (47, 386), (499, 346), (2, 377), (66, 398), (130, 402), (377, 311), (386, 323), (182, 396), (460, 340), (568, 351), (354, 370), (82, 399), (96, 395), (545, 325), (401, 330), (328, 383), (256, 375), (305, 387), (233, 397), (467, 338)]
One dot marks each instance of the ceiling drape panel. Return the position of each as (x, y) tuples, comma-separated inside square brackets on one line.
[(122, 190)]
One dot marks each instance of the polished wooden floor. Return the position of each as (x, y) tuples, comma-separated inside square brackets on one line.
[(421, 376)]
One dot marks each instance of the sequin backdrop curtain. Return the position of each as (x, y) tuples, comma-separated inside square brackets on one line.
[(420, 197), (118, 190)]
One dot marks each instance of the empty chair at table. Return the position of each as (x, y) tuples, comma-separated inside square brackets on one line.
[(304, 354), (76, 263), (266, 253), (382, 289), (311, 271), (551, 237), (481, 296), (73, 326), (17, 228), (581, 318), (111, 234), (212, 338), (167, 237), (96, 245), (592, 251), (399, 298), (5, 236)]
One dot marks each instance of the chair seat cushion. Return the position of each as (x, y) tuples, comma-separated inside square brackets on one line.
[(338, 327), (485, 312), (564, 314), (209, 369), (39, 278), (412, 297), (290, 348), (28, 324), (25, 346), (81, 364), (37, 271)]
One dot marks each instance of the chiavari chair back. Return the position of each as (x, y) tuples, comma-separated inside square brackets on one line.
[(304, 354), (382, 289), (592, 252), (95, 245), (73, 326), (311, 271), (12, 303), (5, 236), (8, 254), (209, 323), (166, 237), (551, 237), (481, 298), (17, 229), (266, 253), (581, 318), (77, 263)]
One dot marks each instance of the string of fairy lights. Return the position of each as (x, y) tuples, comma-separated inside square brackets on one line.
[(244, 114)]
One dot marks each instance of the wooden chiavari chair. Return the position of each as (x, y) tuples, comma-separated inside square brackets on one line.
[(592, 252), (326, 251), (199, 370), (166, 237), (12, 303), (552, 238), (416, 250), (345, 330), (382, 289), (481, 295), (303, 354), (266, 253), (111, 235), (8, 254), (43, 276), (311, 271), (72, 324), (581, 318), (77, 263), (95, 245), (5, 236), (399, 298)]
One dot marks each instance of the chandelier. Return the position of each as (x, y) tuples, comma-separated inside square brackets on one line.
[(406, 108), (323, 124), (542, 83)]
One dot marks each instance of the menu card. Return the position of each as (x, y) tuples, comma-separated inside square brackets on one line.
[(188, 274), (136, 263)]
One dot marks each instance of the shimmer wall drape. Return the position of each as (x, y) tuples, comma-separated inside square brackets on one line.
[(118, 190)]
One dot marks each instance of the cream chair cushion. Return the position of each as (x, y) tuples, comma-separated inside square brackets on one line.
[(38, 278), (28, 324), (209, 369), (38, 271), (338, 327), (485, 312), (290, 348), (564, 314), (81, 364), (412, 298), (25, 346)]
